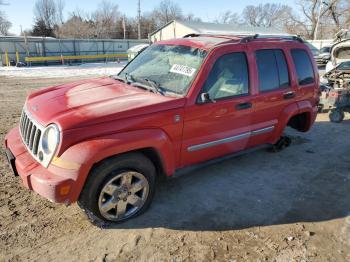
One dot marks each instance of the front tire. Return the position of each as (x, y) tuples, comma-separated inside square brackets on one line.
[(336, 115), (119, 188)]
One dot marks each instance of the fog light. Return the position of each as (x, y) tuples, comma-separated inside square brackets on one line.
[(64, 190)]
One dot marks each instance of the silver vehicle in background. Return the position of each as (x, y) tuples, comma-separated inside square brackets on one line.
[(323, 56)]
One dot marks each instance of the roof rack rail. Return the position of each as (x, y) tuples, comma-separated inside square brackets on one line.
[(286, 37), (191, 35), (249, 38)]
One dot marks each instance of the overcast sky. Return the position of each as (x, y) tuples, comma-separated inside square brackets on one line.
[(20, 12)]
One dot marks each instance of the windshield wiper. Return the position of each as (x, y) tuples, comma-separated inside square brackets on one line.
[(144, 83), (156, 86), (128, 78), (148, 84), (117, 77)]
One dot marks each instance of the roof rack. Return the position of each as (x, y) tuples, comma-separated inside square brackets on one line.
[(249, 38), (286, 37)]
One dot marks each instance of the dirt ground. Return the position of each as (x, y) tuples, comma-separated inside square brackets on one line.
[(287, 206)]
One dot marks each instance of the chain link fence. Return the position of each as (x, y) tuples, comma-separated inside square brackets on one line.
[(17, 48)]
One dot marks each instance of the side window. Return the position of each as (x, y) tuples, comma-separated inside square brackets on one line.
[(272, 69), (303, 66), (228, 77)]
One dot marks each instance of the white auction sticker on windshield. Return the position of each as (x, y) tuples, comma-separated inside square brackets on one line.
[(182, 69)]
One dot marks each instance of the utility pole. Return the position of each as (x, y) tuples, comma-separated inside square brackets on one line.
[(124, 27), (318, 18), (139, 19)]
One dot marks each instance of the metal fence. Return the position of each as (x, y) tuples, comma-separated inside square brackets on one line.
[(43, 47)]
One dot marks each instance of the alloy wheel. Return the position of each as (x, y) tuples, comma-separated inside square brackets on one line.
[(123, 196)]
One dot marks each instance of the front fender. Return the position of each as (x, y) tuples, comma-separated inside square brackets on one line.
[(87, 153)]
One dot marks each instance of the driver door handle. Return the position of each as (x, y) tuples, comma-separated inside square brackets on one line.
[(242, 106), (289, 95)]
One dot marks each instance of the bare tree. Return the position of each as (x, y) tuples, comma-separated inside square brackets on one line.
[(191, 17), (60, 7), (330, 18), (5, 24), (76, 27), (167, 11), (338, 11), (46, 12), (148, 24), (267, 15), (105, 19), (228, 17)]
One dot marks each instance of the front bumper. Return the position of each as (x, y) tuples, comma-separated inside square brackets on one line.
[(54, 183)]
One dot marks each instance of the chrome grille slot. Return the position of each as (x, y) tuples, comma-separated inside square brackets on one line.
[(36, 142), (31, 137), (30, 132)]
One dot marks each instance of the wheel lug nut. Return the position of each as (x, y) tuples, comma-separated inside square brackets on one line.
[(124, 199)]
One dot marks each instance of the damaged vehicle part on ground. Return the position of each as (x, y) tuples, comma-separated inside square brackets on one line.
[(336, 97)]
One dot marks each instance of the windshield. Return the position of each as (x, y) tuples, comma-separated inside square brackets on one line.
[(325, 49), (171, 67), (344, 66)]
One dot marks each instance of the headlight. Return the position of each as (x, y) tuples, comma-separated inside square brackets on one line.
[(50, 139)]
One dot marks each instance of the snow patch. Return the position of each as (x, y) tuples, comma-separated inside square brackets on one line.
[(93, 69)]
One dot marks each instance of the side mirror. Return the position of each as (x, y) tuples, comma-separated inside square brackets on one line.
[(205, 98)]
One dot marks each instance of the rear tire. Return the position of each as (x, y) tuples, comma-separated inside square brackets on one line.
[(336, 115), (118, 189)]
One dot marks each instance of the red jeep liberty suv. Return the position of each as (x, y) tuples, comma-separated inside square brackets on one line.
[(179, 103)]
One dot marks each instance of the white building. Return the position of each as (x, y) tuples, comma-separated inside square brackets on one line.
[(178, 29)]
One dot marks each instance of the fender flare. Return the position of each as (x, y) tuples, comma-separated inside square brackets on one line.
[(288, 112), (87, 153), (293, 110), (311, 112)]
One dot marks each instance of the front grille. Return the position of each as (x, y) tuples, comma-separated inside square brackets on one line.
[(30, 132)]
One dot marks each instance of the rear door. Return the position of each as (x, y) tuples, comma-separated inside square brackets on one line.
[(275, 91), (221, 126)]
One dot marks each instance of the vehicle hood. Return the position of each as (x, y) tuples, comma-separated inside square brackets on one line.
[(95, 101), (343, 67)]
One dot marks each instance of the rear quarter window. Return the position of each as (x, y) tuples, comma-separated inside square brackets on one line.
[(272, 69), (303, 66)]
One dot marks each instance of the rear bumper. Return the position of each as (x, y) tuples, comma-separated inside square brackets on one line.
[(53, 183)]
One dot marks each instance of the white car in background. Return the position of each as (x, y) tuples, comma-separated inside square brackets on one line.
[(135, 50)]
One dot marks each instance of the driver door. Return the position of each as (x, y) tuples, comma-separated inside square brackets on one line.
[(220, 126)]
